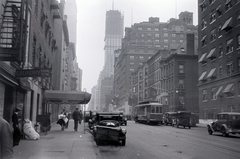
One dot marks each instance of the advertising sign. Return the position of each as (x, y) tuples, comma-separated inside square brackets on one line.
[(36, 72)]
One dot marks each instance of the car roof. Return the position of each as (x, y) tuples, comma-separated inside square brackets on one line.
[(184, 112), (109, 113), (229, 113), (171, 112)]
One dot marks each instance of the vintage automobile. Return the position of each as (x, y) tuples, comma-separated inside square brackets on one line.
[(168, 116), (182, 119), (194, 119), (107, 128), (226, 123)]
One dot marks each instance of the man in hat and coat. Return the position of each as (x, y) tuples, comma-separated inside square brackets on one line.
[(77, 117), (17, 134)]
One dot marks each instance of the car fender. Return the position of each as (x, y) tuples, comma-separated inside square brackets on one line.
[(225, 126), (210, 126)]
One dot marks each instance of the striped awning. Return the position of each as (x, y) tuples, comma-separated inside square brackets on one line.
[(212, 73), (227, 24), (202, 77), (229, 88), (202, 58), (212, 54)]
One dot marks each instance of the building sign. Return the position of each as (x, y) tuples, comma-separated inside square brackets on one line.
[(37, 72)]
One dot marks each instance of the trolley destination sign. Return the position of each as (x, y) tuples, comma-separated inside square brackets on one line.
[(37, 72)]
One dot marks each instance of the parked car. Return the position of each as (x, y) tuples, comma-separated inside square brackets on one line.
[(107, 128), (226, 123), (194, 119), (168, 117), (182, 119)]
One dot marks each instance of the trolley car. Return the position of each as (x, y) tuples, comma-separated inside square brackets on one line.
[(149, 112)]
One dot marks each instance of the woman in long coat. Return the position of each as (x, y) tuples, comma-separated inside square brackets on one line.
[(17, 135)]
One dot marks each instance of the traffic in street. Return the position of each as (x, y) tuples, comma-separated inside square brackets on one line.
[(167, 142)]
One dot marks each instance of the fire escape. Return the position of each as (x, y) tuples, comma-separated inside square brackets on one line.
[(13, 31)]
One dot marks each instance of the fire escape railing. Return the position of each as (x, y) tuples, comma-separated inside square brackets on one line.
[(12, 31)]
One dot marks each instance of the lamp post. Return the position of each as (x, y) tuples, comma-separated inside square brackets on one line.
[(84, 107)]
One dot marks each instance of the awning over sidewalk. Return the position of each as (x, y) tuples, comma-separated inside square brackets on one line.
[(76, 97)]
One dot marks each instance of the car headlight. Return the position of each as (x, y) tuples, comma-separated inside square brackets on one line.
[(124, 131)]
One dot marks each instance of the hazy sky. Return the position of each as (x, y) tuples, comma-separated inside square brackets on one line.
[(91, 27)]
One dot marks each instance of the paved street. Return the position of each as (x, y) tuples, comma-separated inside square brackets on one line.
[(143, 142), (166, 142)]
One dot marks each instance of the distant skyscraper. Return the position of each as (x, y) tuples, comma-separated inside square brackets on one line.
[(113, 37), (71, 12)]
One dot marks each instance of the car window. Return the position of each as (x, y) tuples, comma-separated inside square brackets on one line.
[(234, 117)]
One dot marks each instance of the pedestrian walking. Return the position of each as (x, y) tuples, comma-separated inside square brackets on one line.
[(76, 115), (17, 134), (81, 117), (6, 140), (63, 119)]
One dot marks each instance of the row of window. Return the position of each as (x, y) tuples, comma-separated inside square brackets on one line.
[(213, 73), (227, 5), (228, 49), (218, 92), (174, 28)]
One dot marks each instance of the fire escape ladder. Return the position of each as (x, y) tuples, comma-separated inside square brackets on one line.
[(11, 34)]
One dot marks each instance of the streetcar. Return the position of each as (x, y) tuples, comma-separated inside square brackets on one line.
[(149, 112)]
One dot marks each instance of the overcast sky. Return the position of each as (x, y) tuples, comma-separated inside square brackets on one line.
[(91, 27)]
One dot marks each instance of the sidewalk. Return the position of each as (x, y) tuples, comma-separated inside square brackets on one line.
[(66, 144)]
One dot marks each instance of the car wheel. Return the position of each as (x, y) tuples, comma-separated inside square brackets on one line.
[(189, 127), (210, 130), (224, 133), (124, 142)]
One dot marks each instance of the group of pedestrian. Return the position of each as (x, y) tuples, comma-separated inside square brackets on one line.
[(64, 118), (9, 136)]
